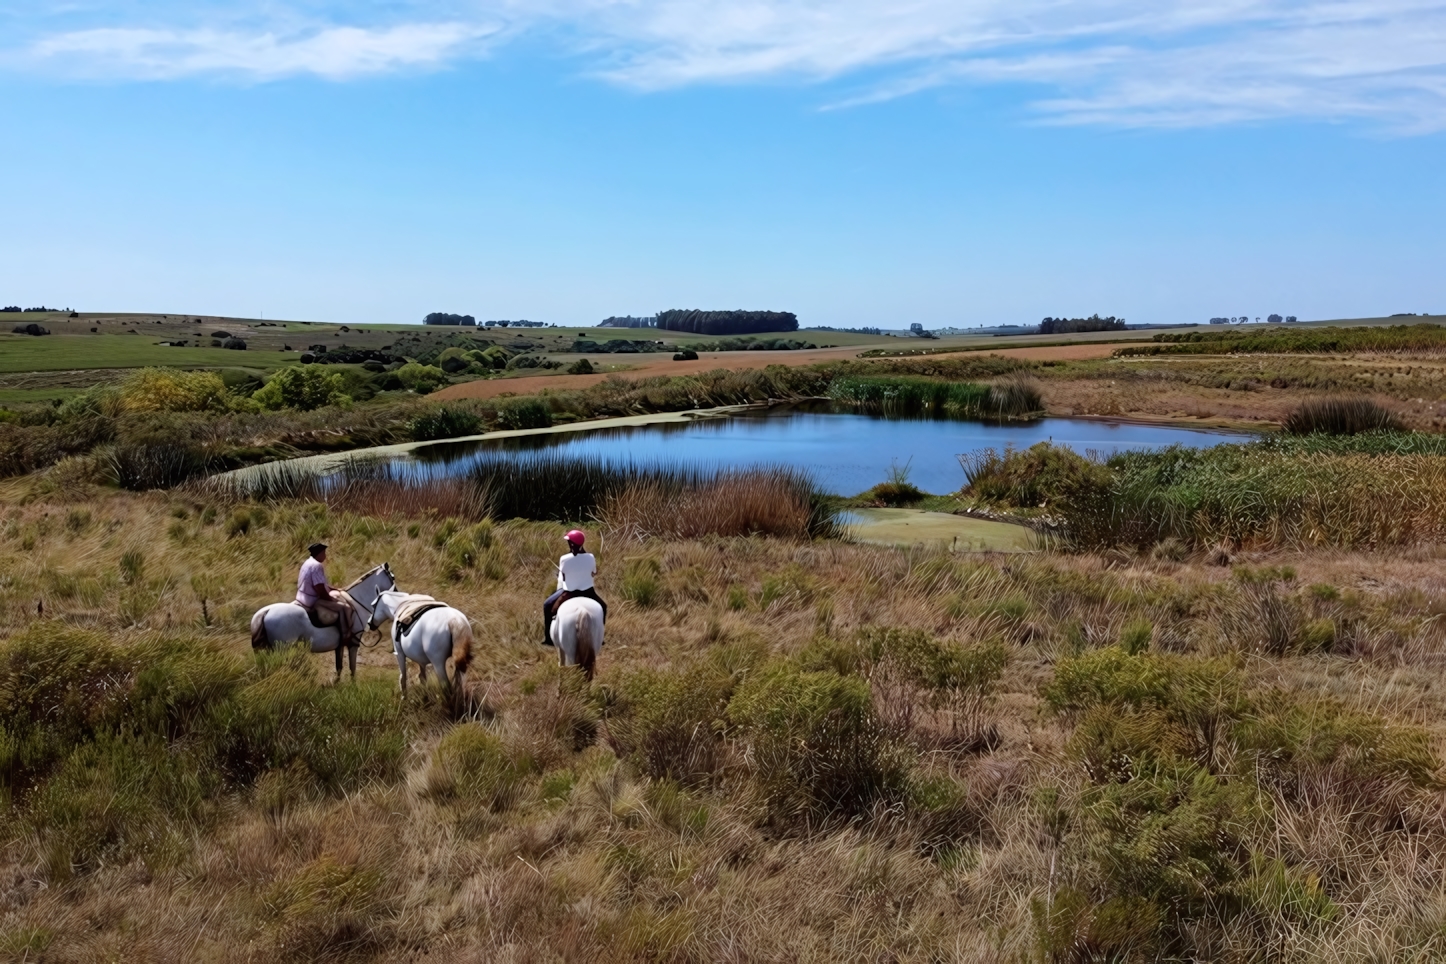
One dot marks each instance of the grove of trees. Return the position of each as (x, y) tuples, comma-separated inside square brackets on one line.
[(726, 322), (1068, 326), (444, 318)]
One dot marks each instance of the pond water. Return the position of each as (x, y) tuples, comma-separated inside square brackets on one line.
[(845, 452)]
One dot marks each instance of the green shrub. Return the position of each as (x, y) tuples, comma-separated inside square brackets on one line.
[(453, 360), (303, 387), (815, 746), (422, 379), (671, 723), (1042, 475), (523, 413), (173, 390), (580, 367), (643, 581), (444, 422), (909, 395)]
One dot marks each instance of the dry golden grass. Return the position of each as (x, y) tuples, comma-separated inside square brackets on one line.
[(588, 859)]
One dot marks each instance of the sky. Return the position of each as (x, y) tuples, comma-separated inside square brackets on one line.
[(949, 162)]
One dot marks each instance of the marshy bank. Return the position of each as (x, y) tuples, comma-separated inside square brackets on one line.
[(627, 500)]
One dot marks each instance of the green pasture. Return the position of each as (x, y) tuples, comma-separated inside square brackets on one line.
[(49, 353)]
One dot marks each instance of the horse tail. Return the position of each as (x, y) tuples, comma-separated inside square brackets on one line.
[(461, 631), (586, 650), (259, 639)]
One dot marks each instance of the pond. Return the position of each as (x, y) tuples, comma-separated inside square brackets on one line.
[(845, 452)]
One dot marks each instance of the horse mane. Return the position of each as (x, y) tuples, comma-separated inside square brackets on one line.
[(363, 577)]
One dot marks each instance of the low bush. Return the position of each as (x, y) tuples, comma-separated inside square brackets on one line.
[(523, 413), (580, 367), (445, 422), (816, 748), (672, 724), (1042, 475), (1341, 416), (1016, 396)]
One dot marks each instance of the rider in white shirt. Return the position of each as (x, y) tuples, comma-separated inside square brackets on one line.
[(574, 578)]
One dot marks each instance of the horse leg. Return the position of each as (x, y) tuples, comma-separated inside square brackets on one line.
[(351, 660), (422, 671), (338, 664), (402, 665)]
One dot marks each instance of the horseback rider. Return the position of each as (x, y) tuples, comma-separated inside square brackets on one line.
[(574, 578), (315, 595)]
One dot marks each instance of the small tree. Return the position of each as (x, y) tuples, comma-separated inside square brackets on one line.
[(302, 388)]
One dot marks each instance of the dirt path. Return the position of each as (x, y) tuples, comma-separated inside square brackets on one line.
[(649, 366)]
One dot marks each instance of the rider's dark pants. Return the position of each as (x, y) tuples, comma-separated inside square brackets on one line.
[(550, 605)]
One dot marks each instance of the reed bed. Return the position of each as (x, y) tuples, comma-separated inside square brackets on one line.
[(635, 500), (767, 502), (1341, 416)]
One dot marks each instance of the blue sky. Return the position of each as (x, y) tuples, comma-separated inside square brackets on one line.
[(954, 163)]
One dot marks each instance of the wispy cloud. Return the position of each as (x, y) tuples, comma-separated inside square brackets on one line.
[(336, 53), (1117, 62)]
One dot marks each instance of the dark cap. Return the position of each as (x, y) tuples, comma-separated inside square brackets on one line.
[(315, 547)]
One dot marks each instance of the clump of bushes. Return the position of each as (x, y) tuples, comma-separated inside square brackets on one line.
[(122, 752), (1162, 843), (580, 367), (302, 387), (1042, 475), (419, 378), (173, 390)]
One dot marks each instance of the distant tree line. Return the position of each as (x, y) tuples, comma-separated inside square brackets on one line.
[(726, 322), (17, 308), (1245, 319), (628, 321), (852, 331), (445, 318), (1069, 326)]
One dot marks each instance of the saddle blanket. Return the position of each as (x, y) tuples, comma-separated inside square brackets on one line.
[(411, 609)]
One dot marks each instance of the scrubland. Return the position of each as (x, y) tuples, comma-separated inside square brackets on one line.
[(795, 750), (1202, 722)]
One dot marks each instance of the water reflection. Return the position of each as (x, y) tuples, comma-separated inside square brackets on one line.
[(846, 452)]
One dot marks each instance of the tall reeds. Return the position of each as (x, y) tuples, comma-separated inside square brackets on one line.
[(636, 501), (1013, 397), (1341, 416)]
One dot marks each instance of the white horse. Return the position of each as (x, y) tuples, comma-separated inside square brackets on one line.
[(577, 632), (435, 635), (287, 622)]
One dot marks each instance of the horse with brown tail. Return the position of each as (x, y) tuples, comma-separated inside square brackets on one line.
[(427, 632), (577, 632)]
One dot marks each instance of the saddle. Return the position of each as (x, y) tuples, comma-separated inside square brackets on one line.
[(411, 610), (321, 618)]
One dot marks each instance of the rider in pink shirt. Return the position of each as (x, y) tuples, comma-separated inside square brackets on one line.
[(314, 593)]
